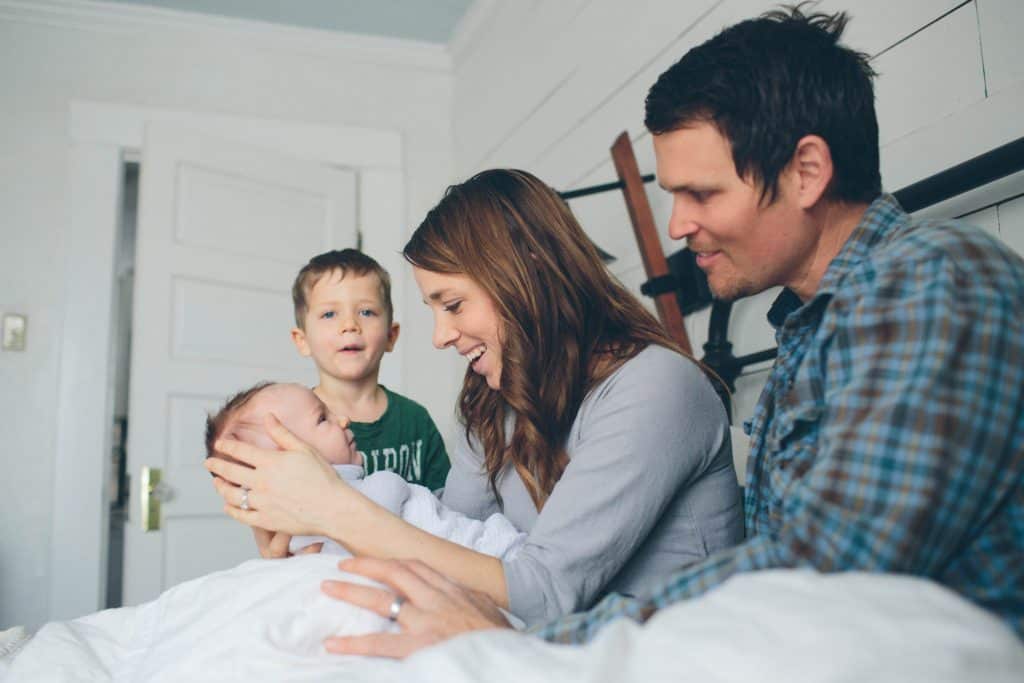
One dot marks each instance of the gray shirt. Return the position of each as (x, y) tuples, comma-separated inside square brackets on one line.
[(649, 487)]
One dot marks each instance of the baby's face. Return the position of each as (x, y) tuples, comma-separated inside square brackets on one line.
[(302, 413)]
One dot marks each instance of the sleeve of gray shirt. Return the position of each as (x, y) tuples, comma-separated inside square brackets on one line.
[(467, 489), (649, 429)]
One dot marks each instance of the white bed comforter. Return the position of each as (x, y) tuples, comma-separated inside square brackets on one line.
[(264, 620)]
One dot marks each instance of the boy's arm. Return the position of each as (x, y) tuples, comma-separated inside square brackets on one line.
[(435, 459)]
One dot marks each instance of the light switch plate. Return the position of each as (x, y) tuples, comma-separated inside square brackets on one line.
[(14, 332)]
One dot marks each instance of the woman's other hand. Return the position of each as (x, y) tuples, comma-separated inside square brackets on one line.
[(273, 545), (433, 608), (294, 490)]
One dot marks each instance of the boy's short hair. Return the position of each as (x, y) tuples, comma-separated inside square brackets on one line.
[(767, 82), (218, 422), (344, 261)]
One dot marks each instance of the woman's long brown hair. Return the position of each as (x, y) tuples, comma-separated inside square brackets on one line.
[(566, 323)]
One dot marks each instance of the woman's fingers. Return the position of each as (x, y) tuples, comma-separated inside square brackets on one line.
[(393, 573), (271, 544), (427, 613), (377, 600), (431, 576), (242, 452), (231, 493), (393, 645), (279, 544), (311, 549), (282, 437), (231, 472)]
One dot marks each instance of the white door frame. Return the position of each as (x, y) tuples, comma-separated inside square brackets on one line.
[(100, 136)]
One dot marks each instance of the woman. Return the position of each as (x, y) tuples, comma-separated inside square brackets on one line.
[(584, 423)]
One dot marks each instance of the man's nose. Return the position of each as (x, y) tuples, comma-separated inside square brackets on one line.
[(681, 223)]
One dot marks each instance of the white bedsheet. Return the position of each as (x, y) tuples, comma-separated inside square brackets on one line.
[(263, 621)]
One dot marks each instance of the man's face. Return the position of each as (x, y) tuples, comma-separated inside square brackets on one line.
[(302, 413), (743, 245), (347, 330)]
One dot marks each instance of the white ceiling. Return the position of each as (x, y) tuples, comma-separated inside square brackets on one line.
[(424, 20)]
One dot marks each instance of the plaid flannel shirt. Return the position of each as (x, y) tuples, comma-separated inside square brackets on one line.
[(889, 436)]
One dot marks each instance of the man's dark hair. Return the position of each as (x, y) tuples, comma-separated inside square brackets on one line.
[(217, 422), (767, 82), (342, 261)]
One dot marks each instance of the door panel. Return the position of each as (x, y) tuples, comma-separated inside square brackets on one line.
[(222, 231)]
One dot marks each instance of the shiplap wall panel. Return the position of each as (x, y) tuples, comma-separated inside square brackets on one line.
[(1001, 23), (522, 55), (557, 86), (1011, 223), (929, 76)]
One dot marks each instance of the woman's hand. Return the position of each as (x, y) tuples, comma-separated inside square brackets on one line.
[(434, 609), (294, 490), (273, 545)]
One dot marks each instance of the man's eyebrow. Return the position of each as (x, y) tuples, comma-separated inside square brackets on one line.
[(685, 187)]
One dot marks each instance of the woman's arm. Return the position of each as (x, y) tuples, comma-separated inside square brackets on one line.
[(296, 491), (648, 488)]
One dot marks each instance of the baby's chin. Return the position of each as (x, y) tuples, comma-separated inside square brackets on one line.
[(344, 459)]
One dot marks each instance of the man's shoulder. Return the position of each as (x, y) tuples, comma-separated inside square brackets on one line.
[(922, 251)]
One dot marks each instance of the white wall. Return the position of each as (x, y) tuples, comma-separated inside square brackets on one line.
[(54, 52), (546, 86)]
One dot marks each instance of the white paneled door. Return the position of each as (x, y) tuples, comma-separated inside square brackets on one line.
[(222, 230)]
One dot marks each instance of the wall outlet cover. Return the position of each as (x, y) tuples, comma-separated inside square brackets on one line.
[(14, 326)]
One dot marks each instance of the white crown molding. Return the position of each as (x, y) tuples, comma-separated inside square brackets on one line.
[(108, 17), (469, 27)]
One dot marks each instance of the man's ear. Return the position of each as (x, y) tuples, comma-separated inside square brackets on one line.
[(812, 164), (393, 336), (299, 339)]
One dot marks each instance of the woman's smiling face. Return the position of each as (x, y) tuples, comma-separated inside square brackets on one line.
[(464, 317)]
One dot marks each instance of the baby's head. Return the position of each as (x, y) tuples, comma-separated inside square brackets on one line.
[(298, 409)]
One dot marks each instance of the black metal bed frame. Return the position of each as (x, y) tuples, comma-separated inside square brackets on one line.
[(980, 170)]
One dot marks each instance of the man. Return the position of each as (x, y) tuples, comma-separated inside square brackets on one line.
[(889, 436)]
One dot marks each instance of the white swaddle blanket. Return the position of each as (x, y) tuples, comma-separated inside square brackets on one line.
[(263, 612), (418, 506), (269, 614)]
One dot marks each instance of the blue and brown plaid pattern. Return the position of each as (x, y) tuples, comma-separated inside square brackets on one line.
[(889, 436)]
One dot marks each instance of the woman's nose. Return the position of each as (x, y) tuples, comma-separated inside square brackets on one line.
[(444, 335)]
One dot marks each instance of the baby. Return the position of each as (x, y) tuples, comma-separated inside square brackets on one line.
[(307, 417), (273, 611)]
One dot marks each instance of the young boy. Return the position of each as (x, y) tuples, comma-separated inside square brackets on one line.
[(309, 419), (344, 322)]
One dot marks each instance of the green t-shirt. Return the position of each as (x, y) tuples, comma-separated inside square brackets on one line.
[(404, 440)]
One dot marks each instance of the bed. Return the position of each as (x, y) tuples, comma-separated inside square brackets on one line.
[(263, 621)]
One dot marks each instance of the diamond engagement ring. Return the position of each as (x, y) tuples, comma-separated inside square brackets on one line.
[(395, 608), (245, 499)]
